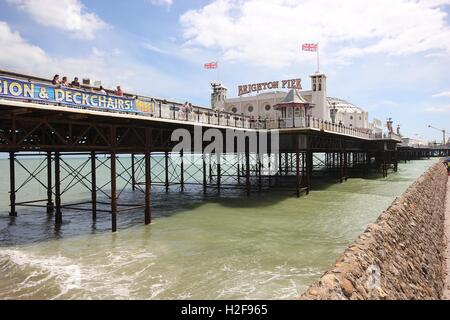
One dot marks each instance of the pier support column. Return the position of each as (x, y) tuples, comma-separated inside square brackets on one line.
[(58, 213), (238, 167), (113, 193), (286, 164), (247, 165), (309, 168), (346, 158), (259, 163), (148, 177), (133, 172), (219, 172), (50, 204), (297, 166), (94, 185), (182, 171), (166, 170), (12, 184), (205, 181)]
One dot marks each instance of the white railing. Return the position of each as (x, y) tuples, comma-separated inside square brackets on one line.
[(310, 123)]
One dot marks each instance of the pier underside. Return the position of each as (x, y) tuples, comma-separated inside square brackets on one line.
[(138, 155)]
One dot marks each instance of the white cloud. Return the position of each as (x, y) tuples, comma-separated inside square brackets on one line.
[(442, 94), (110, 66), (153, 48), (17, 52), (270, 32), (166, 3), (67, 15), (438, 109)]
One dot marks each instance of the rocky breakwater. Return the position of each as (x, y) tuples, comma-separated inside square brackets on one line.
[(401, 255)]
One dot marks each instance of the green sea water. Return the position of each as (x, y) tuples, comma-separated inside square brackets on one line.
[(269, 246)]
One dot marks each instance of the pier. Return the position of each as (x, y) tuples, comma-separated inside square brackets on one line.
[(57, 130)]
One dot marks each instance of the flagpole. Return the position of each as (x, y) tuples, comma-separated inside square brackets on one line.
[(218, 71), (318, 59)]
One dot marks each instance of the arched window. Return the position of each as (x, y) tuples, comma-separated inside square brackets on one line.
[(314, 87), (320, 87), (351, 117)]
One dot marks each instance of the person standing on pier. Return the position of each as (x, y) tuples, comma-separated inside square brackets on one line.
[(119, 92)]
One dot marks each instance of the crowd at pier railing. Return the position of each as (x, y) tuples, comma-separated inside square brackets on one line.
[(164, 109)]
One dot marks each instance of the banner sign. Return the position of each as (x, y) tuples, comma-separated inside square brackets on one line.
[(257, 87), (17, 89), (145, 105)]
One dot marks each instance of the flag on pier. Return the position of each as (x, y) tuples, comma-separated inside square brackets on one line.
[(212, 65), (312, 47)]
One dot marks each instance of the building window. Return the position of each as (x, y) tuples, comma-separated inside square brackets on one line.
[(351, 117), (250, 109), (360, 118), (351, 125), (320, 87), (234, 110), (268, 107), (314, 87)]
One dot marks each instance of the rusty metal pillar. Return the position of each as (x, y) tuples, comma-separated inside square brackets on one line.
[(346, 159), (280, 163), (58, 213), (205, 181), (247, 165), (133, 172), (94, 185), (238, 168), (182, 170), (12, 181), (50, 204), (166, 170), (148, 177), (210, 169), (297, 162), (219, 173), (258, 162), (113, 192), (286, 164)]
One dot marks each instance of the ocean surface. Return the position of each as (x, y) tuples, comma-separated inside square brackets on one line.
[(269, 246)]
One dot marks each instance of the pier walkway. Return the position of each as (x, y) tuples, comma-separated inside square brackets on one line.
[(447, 234)]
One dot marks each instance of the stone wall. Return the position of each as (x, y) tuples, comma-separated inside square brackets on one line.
[(401, 255)]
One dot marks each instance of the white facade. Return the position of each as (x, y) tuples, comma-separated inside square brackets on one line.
[(262, 105)]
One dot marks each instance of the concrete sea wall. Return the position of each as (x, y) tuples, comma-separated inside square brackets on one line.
[(401, 255)]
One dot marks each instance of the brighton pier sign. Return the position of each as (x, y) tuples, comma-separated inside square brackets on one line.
[(258, 87)]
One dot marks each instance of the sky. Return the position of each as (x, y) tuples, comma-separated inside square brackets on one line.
[(390, 57)]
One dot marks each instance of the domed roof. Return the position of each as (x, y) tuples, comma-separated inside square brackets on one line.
[(344, 106)]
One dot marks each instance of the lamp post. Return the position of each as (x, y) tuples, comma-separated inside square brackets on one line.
[(333, 113), (390, 124)]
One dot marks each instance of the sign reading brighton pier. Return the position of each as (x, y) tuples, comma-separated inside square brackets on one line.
[(257, 87)]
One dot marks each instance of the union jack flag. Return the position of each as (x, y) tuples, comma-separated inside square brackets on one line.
[(310, 47), (211, 65)]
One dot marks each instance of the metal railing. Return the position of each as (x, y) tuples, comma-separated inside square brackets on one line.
[(310, 123), (163, 109)]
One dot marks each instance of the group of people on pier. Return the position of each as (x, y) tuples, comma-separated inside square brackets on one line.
[(64, 83)]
